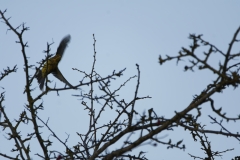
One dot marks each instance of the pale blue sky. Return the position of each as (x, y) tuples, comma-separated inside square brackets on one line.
[(127, 32)]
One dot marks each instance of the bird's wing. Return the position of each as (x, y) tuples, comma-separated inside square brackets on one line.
[(63, 45), (40, 79), (59, 76)]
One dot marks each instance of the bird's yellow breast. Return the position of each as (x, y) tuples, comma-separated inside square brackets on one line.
[(51, 65)]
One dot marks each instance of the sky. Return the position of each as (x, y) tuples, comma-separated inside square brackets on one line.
[(127, 32)]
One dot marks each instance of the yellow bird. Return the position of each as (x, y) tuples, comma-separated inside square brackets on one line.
[(51, 66)]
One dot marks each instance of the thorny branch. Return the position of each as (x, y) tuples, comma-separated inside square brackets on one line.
[(226, 75)]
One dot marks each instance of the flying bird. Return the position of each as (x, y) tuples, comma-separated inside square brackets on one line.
[(51, 65)]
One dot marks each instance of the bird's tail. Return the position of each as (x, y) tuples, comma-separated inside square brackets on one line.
[(40, 79)]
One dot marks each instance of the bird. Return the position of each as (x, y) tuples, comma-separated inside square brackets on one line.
[(51, 65)]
